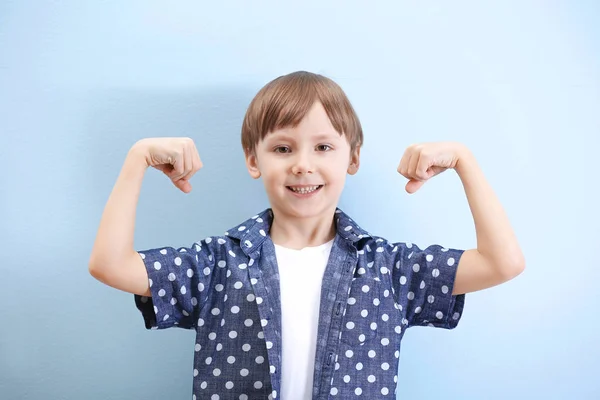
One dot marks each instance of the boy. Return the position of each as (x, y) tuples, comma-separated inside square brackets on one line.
[(299, 302)]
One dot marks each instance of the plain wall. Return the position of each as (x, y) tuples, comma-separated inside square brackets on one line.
[(80, 82)]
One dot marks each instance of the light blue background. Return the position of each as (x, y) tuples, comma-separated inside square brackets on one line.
[(80, 82)]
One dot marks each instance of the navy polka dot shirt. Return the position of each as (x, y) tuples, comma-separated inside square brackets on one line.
[(227, 289)]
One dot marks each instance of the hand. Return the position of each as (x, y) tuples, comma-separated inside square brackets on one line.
[(421, 162), (177, 158)]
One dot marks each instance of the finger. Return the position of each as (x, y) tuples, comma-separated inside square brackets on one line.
[(189, 163), (413, 185), (414, 163), (422, 167), (183, 185), (178, 181), (404, 162), (195, 163), (184, 166), (177, 162)]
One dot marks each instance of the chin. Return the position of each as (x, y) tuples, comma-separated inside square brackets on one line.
[(304, 210)]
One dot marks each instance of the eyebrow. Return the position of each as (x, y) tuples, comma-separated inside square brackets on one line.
[(318, 137)]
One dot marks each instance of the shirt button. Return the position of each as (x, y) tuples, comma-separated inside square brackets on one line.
[(330, 359)]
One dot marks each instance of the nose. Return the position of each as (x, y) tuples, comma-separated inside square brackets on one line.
[(302, 164)]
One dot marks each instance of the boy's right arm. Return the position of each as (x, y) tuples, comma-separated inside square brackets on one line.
[(114, 260)]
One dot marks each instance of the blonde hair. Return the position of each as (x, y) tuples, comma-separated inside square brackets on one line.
[(285, 101)]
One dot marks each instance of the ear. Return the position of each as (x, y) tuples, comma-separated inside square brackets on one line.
[(354, 161), (252, 164)]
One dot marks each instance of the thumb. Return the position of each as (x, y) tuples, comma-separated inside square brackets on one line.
[(413, 185), (183, 185)]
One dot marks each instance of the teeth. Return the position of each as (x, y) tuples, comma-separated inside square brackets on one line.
[(304, 190)]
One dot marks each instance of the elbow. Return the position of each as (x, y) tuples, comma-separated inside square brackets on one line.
[(100, 273), (97, 268), (514, 268), (507, 267), (521, 267), (94, 270)]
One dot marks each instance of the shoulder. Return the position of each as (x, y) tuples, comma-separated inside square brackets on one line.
[(366, 242), (241, 238), (362, 239)]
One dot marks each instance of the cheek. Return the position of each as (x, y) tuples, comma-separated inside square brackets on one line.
[(340, 167), (272, 177)]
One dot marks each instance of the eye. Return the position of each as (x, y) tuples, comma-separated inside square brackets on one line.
[(324, 147), (282, 149)]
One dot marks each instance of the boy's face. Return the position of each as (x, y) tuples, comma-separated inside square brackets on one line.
[(304, 168)]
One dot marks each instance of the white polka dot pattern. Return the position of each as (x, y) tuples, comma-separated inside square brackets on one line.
[(226, 288)]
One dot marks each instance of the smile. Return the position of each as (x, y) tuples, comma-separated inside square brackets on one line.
[(304, 189)]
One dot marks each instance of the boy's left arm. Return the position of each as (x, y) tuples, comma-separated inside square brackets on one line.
[(498, 257)]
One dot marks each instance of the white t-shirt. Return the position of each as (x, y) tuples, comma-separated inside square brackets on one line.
[(301, 276)]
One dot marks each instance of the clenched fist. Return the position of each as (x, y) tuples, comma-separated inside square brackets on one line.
[(177, 158), (421, 162)]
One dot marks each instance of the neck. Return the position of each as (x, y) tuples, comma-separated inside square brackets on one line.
[(298, 233)]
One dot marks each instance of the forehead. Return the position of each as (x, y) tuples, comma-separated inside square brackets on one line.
[(315, 124)]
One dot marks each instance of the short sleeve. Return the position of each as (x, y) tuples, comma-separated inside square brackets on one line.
[(179, 282), (423, 281)]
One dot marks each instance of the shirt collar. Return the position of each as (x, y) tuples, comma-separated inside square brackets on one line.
[(252, 232)]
